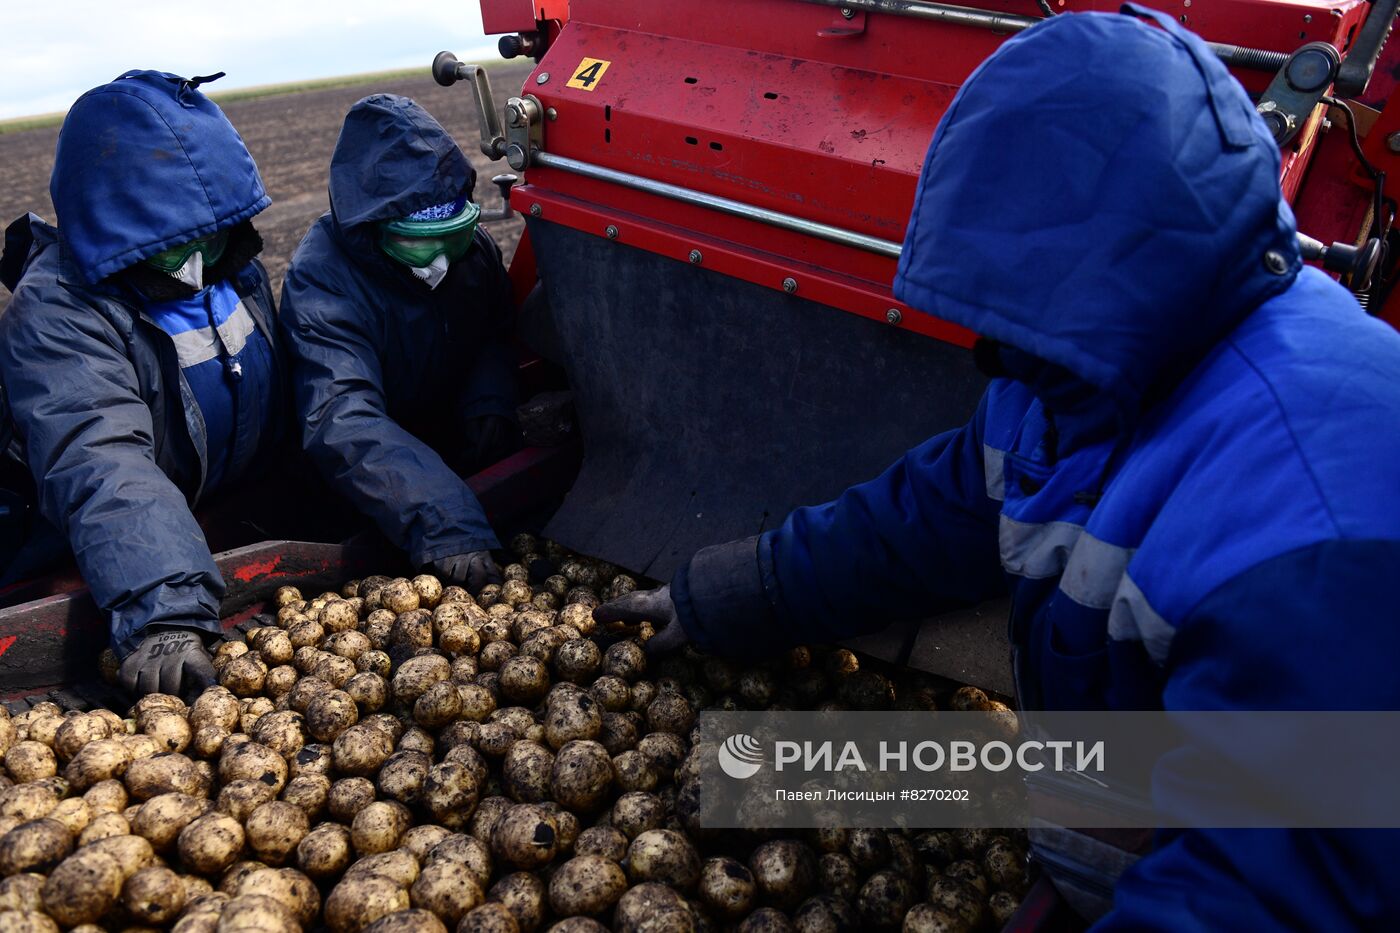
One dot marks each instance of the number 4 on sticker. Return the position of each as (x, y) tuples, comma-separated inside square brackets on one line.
[(588, 73)]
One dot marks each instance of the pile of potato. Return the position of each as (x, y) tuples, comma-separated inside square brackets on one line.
[(402, 757)]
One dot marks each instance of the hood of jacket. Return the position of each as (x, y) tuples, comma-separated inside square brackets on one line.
[(1102, 196), (144, 163), (392, 159)]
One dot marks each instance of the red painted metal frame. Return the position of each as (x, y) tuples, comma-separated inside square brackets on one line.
[(807, 113)]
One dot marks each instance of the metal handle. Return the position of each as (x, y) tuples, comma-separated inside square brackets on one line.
[(1360, 63), (447, 71), (503, 183), (1237, 56)]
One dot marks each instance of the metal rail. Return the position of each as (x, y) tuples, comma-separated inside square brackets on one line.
[(724, 205), (1238, 56)]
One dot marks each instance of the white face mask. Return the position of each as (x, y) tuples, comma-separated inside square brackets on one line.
[(192, 272), (433, 273)]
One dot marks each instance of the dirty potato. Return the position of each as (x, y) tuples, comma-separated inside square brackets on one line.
[(586, 884)]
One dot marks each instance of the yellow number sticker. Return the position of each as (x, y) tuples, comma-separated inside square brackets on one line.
[(588, 73)]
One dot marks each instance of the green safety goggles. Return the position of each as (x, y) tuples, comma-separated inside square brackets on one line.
[(173, 259), (417, 243)]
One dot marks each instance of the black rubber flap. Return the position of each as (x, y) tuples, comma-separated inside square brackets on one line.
[(711, 407)]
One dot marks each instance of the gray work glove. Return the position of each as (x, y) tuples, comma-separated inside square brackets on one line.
[(654, 606), (170, 661), (473, 570)]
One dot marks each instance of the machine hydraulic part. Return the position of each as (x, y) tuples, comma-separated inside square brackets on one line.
[(1297, 88)]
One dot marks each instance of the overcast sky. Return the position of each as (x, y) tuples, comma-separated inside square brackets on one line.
[(53, 50)]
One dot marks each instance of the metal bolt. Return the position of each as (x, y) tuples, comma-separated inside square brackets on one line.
[(695, 257), (536, 210), (894, 316), (789, 285), (1275, 263), (543, 78), (848, 13), (1307, 17), (611, 232), (1392, 142), (551, 114)]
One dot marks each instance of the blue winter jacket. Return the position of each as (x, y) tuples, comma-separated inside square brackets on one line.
[(1190, 492), (386, 370), (108, 425)]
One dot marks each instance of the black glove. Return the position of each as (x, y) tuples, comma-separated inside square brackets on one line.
[(169, 661), (654, 606), (473, 570)]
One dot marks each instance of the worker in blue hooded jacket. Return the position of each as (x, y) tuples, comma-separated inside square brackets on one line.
[(1183, 472), (397, 312), (138, 359)]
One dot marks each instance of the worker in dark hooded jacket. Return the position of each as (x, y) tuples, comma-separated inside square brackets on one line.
[(138, 358), (1183, 472), (397, 311)]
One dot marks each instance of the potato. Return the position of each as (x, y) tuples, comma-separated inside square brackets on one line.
[(387, 723), (398, 866), (43, 727), (160, 819), (636, 812), (582, 776), (765, 920), (208, 742), (567, 825), (211, 843), (79, 729), (448, 889), (967, 870), (572, 717), (280, 680), (633, 772), (611, 692), (244, 675), (30, 761), (29, 801), (34, 846), (606, 841), (652, 907), (670, 712), (283, 732), (490, 917), (250, 761), (240, 798), (308, 793), (525, 837), (403, 776), (285, 596), (467, 851), (417, 739), (348, 797), (26, 921), (362, 749), (374, 661), (579, 616), (407, 921), (524, 679), (233, 877), (399, 596), (958, 898), (525, 773), (313, 759), (83, 887), (256, 913), (450, 793), (586, 884), (663, 855), (334, 669), (523, 893), (577, 660), (379, 826), (330, 713), (325, 851), (417, 674), (357, 902), (496, 652), (884, 899), (22, 892), (664, 750), (106, 796), (154, 895), (785, 872), (369, 691), (438, 705), (275, 829), (104, 826), (286, 886), (422, 839), (338, 616)]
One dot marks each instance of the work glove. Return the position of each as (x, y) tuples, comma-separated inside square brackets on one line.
[(169, 661), (473, 570), (654, 606)]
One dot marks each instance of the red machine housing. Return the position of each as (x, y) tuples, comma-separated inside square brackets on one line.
[(805, 111)]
